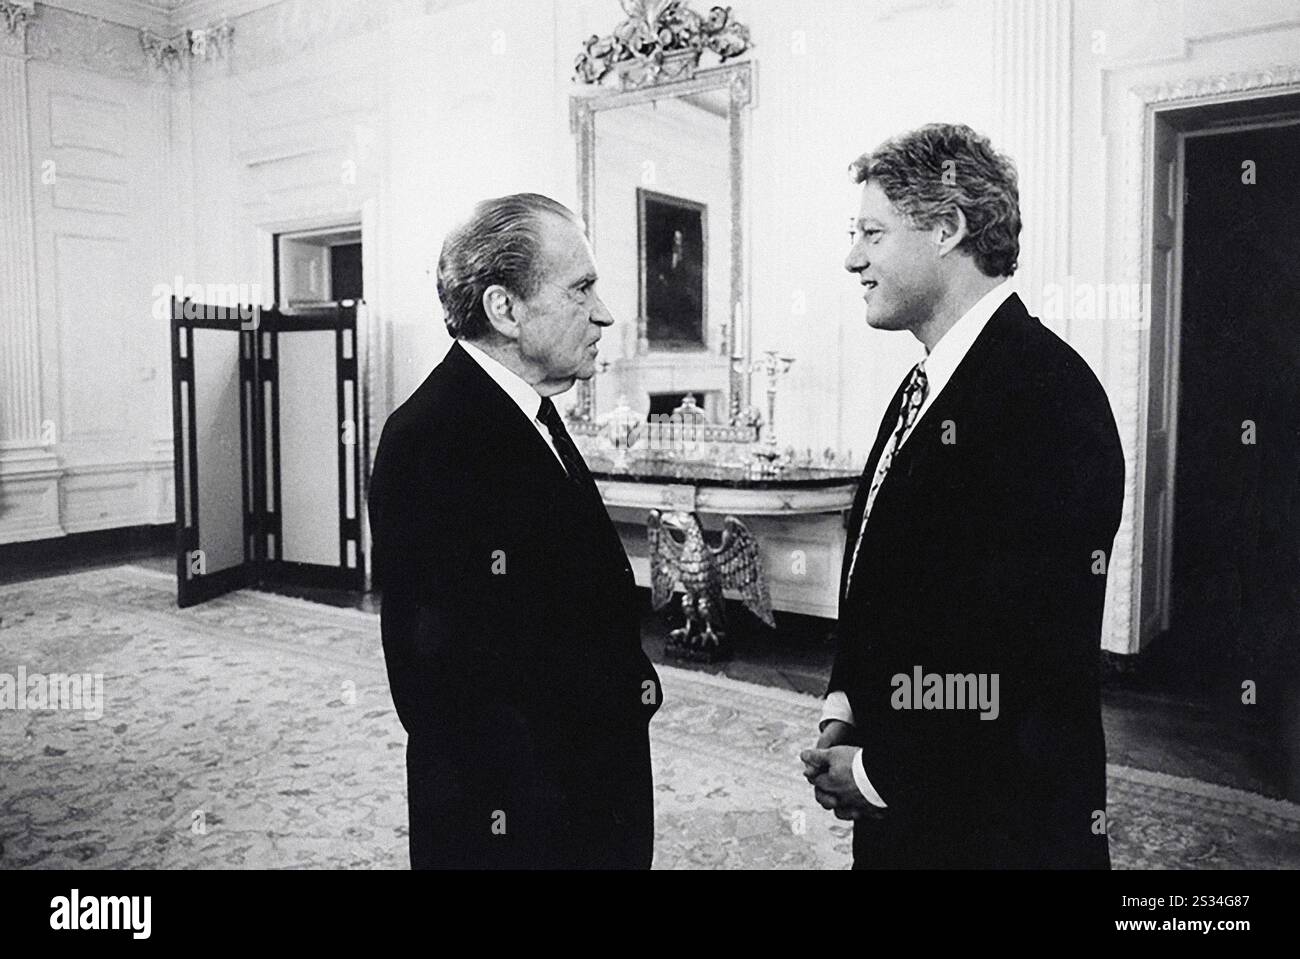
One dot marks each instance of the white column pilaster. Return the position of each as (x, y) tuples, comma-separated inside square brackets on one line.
[(20, 360), (1031, 63)]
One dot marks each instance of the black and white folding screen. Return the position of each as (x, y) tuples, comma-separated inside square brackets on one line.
[(269, 441)]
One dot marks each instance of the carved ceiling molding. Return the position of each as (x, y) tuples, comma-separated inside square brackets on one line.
[(165, 53), (169, 54), (113, 49), (15, 16), (124, 42), (1200, 87), (16, 13), (660, 41), (86, 43)]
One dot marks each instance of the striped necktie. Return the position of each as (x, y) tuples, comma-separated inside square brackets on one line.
[(914, 394)]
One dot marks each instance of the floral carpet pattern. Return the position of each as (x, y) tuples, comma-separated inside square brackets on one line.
[(256, 731)]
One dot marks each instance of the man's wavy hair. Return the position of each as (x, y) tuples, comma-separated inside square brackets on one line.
[(500, 244), (930, 172)]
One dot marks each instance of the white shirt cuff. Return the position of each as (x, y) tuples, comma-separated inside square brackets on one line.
[(836, 706), (863, 783)]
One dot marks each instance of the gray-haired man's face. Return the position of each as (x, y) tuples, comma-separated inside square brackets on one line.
[(560, 325)]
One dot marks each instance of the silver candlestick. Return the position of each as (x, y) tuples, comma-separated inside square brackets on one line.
[(775, 366)]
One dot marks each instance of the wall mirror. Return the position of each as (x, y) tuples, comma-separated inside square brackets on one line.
[(661, 188)]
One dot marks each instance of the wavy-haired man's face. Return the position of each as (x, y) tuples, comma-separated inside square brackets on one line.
[(897, 264)]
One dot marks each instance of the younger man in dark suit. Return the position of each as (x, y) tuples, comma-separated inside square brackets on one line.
[(962, 726), (510, 617)]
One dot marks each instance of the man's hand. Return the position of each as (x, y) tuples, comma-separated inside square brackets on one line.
[(837, 733), (830, 770)]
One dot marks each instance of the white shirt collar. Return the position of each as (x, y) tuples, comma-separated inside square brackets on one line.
[(525, 397), (953, 346)]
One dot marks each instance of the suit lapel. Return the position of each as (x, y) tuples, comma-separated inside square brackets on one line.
[(970, 376), (503, 424), (524, 453), (868, 475), (926, 435)]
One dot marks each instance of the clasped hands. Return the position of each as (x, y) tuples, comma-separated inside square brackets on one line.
[(829, 767)]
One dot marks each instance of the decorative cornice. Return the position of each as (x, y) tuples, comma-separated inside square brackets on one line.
[(13, 36), (208, 11), (660, 41), (127, 13), (86, 43), (213, 42), (165, 53), (112, 49), (146, 40), (16, 17), (1228, 84), (169, 53), (16, 14)]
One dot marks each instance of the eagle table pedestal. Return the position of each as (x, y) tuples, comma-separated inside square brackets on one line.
[(680, 558), (796, 518)]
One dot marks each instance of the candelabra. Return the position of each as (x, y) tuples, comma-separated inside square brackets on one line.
[(583, 410), (774, 366), (621, 429)]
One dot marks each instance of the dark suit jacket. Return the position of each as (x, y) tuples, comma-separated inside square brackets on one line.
[(512, 640), (980, 557)]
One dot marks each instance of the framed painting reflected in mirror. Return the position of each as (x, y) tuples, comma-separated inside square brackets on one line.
[(672, 244)]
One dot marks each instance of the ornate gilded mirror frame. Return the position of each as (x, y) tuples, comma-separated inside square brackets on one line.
[(738, 80)]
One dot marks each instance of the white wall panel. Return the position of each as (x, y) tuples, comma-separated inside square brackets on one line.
[(97, 383), (218, 441), (309, 434)]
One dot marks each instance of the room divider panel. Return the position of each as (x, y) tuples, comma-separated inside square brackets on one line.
[(269, 448)]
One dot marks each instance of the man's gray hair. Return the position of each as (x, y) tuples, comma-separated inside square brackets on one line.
[(931, 172), (500, 244)]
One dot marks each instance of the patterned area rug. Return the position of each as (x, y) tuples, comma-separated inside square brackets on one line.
[(256, 731)]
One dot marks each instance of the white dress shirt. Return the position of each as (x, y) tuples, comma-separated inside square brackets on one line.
[(940, 364), (526, 398)]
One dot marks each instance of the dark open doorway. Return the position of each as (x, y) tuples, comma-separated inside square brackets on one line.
[(1235, 613), (345, 272)]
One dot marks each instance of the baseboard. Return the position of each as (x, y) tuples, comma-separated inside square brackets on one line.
[(41, 557), (42, 498)]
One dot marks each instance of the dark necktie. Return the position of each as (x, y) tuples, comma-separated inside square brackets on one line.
[(582, 480), (549, 417), (909, 408)]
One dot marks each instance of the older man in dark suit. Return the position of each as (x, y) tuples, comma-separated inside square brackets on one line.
[(510, 617), (962, 725)]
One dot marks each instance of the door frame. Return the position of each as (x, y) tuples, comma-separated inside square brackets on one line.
[(1139, 609), (374, 365), (1190, 127)]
